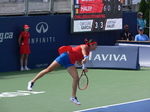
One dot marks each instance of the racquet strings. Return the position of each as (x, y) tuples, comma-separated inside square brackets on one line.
[(83, 81)]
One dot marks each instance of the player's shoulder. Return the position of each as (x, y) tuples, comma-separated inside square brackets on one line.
[(83, 46)]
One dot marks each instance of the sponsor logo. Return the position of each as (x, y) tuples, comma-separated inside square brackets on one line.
[(85, 25), (6, 35), (19, 93), (113, 24), (108, 57), (82, 25), (42, 27), (42, 40), (42, 65)]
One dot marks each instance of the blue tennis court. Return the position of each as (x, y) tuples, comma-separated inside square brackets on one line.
[(134, 106)]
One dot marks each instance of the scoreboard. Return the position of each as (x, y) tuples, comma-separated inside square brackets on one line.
[(96, 15)]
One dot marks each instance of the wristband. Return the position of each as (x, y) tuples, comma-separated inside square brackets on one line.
[(85, 56)]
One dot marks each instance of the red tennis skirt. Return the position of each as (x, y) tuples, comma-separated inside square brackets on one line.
[(64, 49), (24, 49)]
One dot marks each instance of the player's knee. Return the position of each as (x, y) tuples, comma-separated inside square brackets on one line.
[(76, 79), (47, 70)]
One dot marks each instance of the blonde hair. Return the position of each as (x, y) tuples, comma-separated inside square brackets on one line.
[(139, 13)]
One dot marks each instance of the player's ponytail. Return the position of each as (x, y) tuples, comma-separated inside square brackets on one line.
[(86, 40)]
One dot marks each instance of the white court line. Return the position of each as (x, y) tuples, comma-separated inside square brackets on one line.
[(113, 105)]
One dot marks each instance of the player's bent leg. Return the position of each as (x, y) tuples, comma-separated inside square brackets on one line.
[(73, 72), (50, 68)]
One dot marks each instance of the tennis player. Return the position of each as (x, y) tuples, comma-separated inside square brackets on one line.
[(24, 47), (68, 57)]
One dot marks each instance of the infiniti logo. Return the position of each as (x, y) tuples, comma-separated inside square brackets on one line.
[(42, 27)]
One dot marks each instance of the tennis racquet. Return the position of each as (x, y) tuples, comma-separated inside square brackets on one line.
[(83, 81)]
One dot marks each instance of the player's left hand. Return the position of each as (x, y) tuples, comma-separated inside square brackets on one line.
[(84, 60)]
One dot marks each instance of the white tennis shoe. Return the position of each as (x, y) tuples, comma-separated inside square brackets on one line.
[(75, 101), (26, 68), (22, 69), (30, 85)]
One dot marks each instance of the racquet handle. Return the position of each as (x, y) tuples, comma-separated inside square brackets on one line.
[(83, 66)]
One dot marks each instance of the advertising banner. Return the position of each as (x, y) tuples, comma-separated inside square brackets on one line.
[(44, 40), (118, 57), (144, 48)]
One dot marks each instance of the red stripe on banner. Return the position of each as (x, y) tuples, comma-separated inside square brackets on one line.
[(90, 1), (91, 8), (89, 16)]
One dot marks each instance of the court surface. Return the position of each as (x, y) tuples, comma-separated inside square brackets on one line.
[(51, 93)]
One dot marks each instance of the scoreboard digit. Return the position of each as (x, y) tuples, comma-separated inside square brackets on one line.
[(96, 15)]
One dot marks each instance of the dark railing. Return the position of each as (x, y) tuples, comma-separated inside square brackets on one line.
[(26, 7)]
